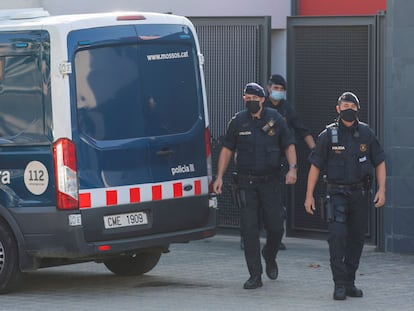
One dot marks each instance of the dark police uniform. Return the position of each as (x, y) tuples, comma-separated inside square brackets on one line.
[(347, 156), (259, 144), (295, 124)]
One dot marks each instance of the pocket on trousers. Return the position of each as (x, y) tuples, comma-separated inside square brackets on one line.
[(341, 213)]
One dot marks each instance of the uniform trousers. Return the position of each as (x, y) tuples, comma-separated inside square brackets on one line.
[(347, 233), (260, 200)]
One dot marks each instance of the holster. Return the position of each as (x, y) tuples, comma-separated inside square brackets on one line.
[(327, 208)]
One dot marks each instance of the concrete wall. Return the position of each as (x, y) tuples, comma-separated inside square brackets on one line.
[(278, 10), (399, 125)]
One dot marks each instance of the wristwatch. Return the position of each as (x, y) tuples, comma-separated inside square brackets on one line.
[(295, 166)]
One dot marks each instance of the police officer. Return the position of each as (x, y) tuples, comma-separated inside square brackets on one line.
[(276, 89), (348, 150), (258, 136)]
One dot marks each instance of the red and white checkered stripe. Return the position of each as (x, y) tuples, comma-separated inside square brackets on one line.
[(89, 198)]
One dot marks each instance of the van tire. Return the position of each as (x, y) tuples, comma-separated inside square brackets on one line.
[(133, 265), (10, 273)]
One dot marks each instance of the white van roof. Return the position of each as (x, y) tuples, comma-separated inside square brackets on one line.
[(38, 18)]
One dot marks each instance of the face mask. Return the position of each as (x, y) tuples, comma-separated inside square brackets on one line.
[(349, 115), (253, 106), (277, 95)]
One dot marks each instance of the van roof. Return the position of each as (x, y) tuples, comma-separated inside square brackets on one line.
[(36, 18)]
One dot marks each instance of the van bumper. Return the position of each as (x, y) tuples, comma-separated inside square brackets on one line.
[(49, 236)]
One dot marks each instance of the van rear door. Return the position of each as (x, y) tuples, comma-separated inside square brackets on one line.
[(138, 125), (171, 95), (139, 105)]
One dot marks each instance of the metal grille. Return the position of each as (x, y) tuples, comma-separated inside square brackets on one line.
[(328, 60), (233, 52)]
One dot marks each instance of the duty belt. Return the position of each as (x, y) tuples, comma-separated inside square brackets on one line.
[(256, 178), (346, 187)]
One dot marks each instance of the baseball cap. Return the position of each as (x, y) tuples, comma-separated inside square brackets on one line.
[(254, 89), (349, 97), (278, 79)]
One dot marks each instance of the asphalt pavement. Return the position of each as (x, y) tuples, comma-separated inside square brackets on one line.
[(209, 275)]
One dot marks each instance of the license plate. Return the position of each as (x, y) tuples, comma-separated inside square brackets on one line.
[(125, 220), (75, 220)]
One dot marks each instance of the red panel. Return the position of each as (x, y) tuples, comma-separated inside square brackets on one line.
[(111, 197), (197, 187), (134, 195), (156, 192), (85, 200), (178, 190), (341, 7)]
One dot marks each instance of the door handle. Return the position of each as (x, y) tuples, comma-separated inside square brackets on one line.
[(164, 152)]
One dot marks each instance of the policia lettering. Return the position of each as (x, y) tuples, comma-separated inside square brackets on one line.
[(348, 151)]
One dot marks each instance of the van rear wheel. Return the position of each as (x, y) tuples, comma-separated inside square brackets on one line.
[(10, 273), (135, 264)]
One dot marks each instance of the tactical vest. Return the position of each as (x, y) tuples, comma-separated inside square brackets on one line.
[(258, 143), (349, 161)]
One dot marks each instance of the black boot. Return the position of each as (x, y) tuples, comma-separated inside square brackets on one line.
[(253, 282), (272, 271), (353, 291), (282, 246), (339, 292)]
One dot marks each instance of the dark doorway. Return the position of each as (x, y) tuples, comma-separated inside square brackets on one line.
[(327, 56)]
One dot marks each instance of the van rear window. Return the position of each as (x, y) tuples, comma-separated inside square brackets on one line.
[(137, 90)]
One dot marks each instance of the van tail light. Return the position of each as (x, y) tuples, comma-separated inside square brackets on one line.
[(209, 160), (66, 174)]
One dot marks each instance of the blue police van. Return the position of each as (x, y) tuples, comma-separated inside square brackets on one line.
[(104, 140)]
